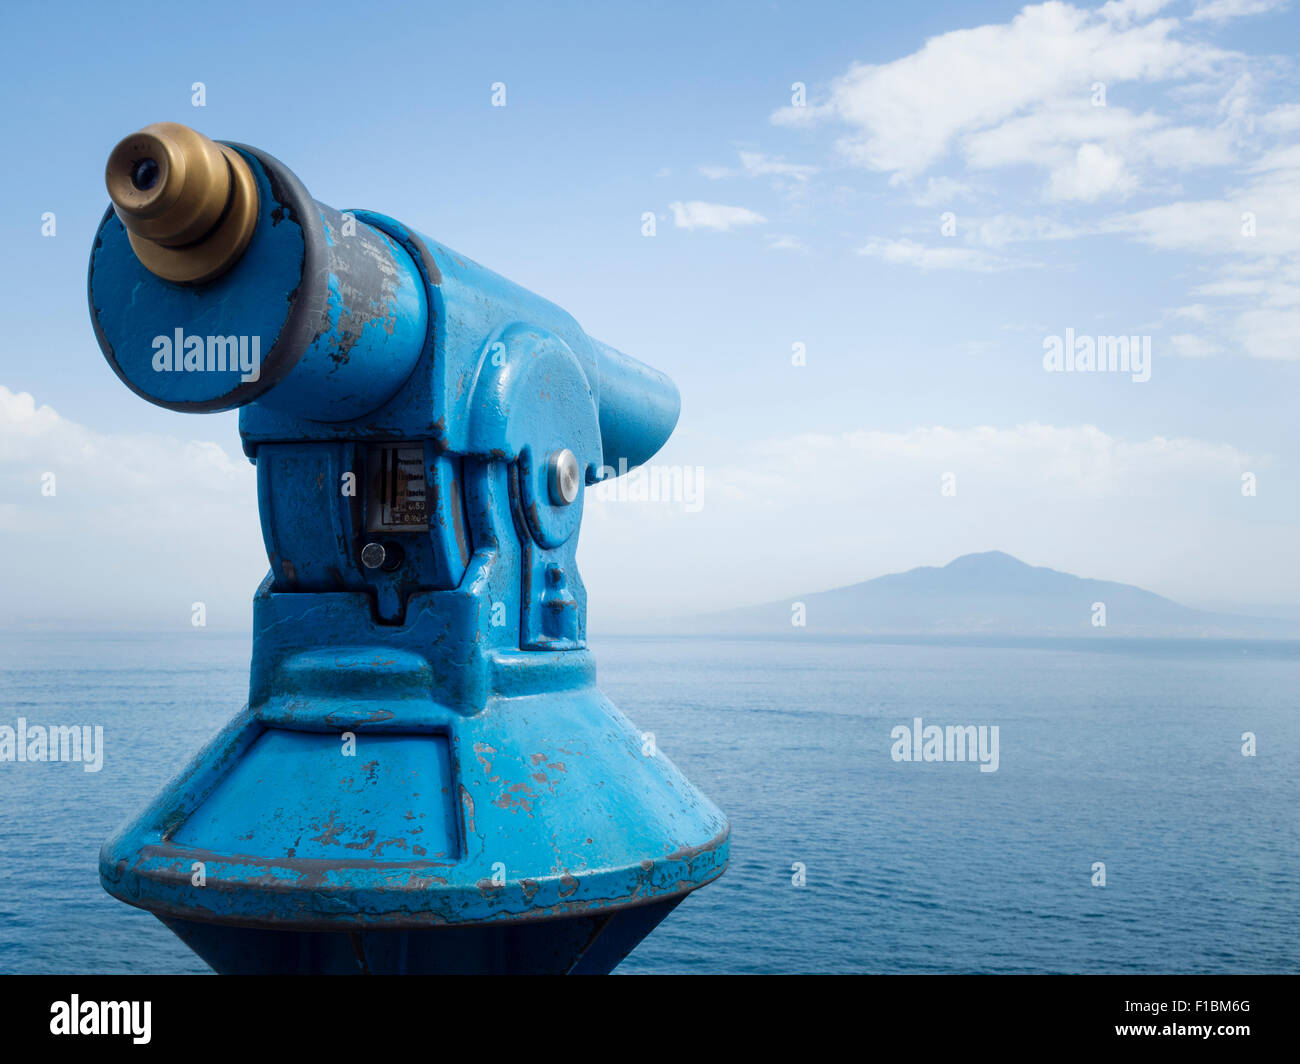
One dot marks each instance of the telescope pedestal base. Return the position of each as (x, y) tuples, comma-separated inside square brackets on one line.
[(574, 945)]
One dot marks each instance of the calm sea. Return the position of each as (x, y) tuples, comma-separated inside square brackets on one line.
[(1122, 753)]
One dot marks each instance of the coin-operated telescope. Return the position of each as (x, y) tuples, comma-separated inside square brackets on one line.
[(425, 778)]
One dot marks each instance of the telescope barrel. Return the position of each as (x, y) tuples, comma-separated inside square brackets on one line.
[(280, 299), (216, 281), (639, 407)]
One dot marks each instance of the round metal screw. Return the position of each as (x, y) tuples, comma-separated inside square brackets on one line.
[(564, 477), (373, 555)]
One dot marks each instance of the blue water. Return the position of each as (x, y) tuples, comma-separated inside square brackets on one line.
[(1117, 752)]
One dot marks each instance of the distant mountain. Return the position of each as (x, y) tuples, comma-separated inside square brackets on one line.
[(991, 593)]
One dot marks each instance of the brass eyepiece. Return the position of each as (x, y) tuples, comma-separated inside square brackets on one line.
[(189, 204)]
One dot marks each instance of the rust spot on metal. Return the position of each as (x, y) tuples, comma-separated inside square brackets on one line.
[(329, 834), (479, 750), (687, 853), (347, 720), (467, 803), (379, 850)]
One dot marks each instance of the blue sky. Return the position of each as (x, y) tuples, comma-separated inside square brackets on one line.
[(821, 225)]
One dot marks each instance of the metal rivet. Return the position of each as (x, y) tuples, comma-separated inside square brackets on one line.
[(373, 555), (564, 477)]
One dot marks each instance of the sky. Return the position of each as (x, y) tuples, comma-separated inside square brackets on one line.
[(871, 223)]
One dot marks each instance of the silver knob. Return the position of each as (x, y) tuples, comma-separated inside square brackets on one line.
[(564, 477)]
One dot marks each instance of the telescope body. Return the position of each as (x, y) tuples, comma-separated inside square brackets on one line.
[(425, 778)]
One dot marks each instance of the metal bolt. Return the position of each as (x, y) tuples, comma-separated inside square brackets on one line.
[(373, 555), (564, 477)]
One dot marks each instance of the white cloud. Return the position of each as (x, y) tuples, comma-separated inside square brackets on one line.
[(1051, 94), (1221, 10), (1122, 12), (1282, 119), (1192, 312), (139, 526), (1252, 237), (1237, 107), (999, 230), (931, 257), (1094, 172), (1189, 345), (696, 214), (942, 192), (1051, 137), (756, 164), (1271, 332), (906, 115), (786, 242)]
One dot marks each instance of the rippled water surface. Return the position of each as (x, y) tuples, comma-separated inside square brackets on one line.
[(1129, 754)]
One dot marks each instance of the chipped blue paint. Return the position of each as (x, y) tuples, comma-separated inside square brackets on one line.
[(425, 777)]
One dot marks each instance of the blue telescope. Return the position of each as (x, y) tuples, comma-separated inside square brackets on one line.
[(425, 778)]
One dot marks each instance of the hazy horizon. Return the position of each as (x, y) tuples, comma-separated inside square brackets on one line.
[(679, 623)]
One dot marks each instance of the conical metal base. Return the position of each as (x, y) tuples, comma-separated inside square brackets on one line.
[(580, 945)]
